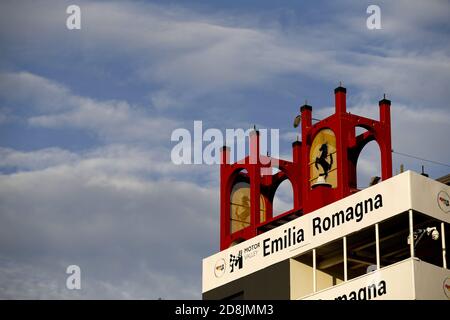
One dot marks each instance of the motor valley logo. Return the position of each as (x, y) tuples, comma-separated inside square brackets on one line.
[(446, 287), (251, 251), (236, 261), (444, 201), (219, 268)]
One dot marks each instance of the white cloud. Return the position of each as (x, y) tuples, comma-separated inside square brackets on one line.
[(57, 107), (109, 211), (192, 54), (291, 136), (409, 17), (6, 115), (187, 54), (111, 120), (46, 280), (39, 159), (24, 88), (164, 100)]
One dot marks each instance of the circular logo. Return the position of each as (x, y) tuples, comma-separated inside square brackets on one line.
[(219, 268), (446, 287), (444, 201)]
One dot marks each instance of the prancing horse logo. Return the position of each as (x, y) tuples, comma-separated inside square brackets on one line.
[(443, 201), (322, 160), (446, 287)]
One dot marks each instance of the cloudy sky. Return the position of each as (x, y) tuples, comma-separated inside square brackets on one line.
[(86, 118)]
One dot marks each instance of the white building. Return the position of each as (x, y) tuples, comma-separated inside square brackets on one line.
[(359, 247)]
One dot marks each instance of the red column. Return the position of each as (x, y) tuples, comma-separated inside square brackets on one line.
[(296, 152), (341, 128), (306, 113), (255, 180), (385, 141), (340, 100), (295, 173), (224, 197)]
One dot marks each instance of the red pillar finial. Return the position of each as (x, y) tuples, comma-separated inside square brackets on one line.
[(340, 99)]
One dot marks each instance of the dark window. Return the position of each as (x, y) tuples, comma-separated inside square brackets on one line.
[(428, 241), (393, 235), (330, 264), (361, 252)]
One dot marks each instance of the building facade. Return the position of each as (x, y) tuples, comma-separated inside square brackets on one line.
[(359, 247), (388, 241)]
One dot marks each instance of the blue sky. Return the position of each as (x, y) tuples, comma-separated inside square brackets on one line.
[(86, 117)]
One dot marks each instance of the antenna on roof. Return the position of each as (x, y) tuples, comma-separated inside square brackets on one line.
[(423, 172)]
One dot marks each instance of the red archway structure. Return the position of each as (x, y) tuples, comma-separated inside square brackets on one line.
[(323, 169)]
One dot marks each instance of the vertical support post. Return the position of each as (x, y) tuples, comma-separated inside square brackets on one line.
[(306, 114), (341, 130), (254, 147), (444, 249), (340, 99), (225, 224), (377, 244), (296, 184), (314, 271), (255, 180), (297, 152), (411, 248), (345, 258), (411, 233), (386, 146)]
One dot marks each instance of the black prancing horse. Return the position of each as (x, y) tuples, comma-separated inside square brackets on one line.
[(322, 160)]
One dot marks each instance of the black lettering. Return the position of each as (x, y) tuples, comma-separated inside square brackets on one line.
[(277, 244), (372, 291), (362, 294), (286, 238), (300, 236), (349, 214), (367, 203), (293, 236), (338, 218), (316, 224), (366, 293), (382, 288), (326, 220), (378, 201), (359, 212), (266, 247)]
